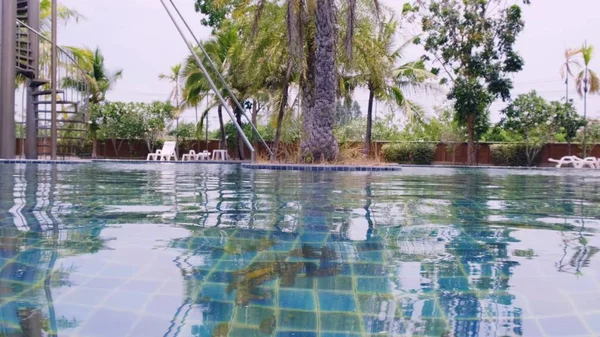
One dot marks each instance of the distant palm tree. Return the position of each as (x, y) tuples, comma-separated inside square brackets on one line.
[(378, 68), (100, 81), (587, 83), (65, 14), (567, 68), (175, 76)]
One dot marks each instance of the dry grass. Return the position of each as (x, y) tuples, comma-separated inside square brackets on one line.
[(349, 155)]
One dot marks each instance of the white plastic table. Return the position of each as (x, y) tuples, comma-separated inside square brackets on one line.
[(219, 155)]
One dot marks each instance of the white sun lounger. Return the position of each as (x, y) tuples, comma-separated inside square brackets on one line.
[(567, 160), (591, 162), (189, 156), (165, 154), (576, 162)]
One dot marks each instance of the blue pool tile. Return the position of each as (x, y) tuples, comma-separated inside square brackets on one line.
[(297, 320), (297, 299), (221, 277), (216, 292), (372, 284), (333, 301), (218, 312), (340, 322), (296, 334)]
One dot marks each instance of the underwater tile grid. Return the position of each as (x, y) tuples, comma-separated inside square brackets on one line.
[(120, 249)]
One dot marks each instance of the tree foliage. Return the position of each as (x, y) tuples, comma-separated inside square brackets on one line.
[(472, 41), (533, 118)]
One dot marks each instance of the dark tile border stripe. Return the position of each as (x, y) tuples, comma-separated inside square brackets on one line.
[(322, 168), (42, 161), (133, 161)]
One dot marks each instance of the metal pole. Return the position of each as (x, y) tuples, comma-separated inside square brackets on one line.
[(8, 35), (33, 15), (53, 79), (211, 83), (212, 64)]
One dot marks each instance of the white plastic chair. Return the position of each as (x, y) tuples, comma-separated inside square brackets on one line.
[(154, 156), (204, 155), (189, 156), (165, 154)]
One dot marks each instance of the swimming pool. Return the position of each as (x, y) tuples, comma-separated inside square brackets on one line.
[(218, 250)]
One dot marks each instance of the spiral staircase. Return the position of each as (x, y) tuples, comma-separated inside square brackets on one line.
[(33, 72)]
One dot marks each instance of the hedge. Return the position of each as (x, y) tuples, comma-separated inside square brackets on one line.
[(409, 153), (510, 155)]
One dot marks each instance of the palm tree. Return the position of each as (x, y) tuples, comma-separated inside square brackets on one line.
[(312, 36), (377, 68), (567, 68), (65, 14), (227, 53), (175, 76), (100, 79), (587, 83)]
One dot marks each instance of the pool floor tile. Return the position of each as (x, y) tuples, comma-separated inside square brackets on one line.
[(333, 283), (341, 302), (256, 316), (106, 322), (297, 320), (297, 299), (340, 322)]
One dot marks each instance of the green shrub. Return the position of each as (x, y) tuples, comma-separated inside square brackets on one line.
[(412, 153), (509, 155)]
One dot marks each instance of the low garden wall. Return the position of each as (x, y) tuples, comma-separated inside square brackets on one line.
[(444, 154)]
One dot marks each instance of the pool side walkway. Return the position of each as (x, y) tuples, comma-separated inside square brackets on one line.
[(291, 167)]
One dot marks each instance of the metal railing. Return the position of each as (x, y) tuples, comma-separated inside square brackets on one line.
[(73, 88)]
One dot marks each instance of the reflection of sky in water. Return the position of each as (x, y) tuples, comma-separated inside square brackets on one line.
[(166, 250)]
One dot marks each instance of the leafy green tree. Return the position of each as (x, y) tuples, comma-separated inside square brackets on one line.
[(568, 120), (121, 122), (592, 136), (532, 117), (587, 83), (215, 11), (156, 117), (346, 111), (473, 43)]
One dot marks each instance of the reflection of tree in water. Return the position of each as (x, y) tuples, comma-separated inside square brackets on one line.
[(471, 286)]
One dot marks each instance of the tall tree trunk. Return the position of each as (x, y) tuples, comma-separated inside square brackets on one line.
[(282, 106), (254, 119), (471, 141), (321, 142), (94, 145), (240, 137), (368, 134), (585, 121), (308, 93), (223, 142)]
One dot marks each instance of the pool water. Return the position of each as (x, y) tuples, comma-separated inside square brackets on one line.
[(208, 250)]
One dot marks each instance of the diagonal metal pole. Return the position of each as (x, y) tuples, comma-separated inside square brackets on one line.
[(220, 76), (212, 84)]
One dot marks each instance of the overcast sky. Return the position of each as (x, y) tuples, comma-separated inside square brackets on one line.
[(138, 37)]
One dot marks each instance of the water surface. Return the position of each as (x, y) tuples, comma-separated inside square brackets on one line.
[(208, 250)]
